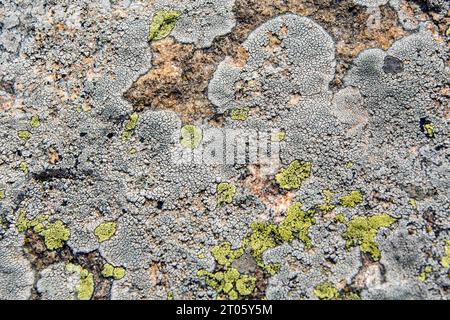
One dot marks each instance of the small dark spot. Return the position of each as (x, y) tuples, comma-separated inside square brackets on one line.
[(110, 135), (160, 204), (392, 65), (82, 134)]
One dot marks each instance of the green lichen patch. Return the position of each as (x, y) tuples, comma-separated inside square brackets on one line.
[(170, 295), (55, 234), (291, 178), (105, 231), (24, 134), (429, 129), (230, 283), (85, 287), (424, 274), (225, 255), (352, 199), (239, 114), (296, 224), (23, 166), (190, 136), (445, 261), (413, 203), (37, 224), (327, 206), (326, 291), (109, 271), (34, 122), (264, 236), (225, 193), (278, 136), (362, 231), (2, 194), (162, 24), (130, 125)]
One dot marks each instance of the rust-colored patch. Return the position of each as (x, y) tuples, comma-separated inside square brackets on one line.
[(53, 156)]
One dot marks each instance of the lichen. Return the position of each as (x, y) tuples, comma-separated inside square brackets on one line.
[(105, 231), (424, 274), (229, 282), (2, 194), (190, 136), (239, 114), (362, 231), (263, 236), (297, 223), (225, 255), (23, 224), (292, 177), (225, 193), (85, 287), (413, 203), (326, 291), (24, 134), (109, 271), (352, 199), (23, 166), (34, 122), (55, 233), (162, 24), (278, 136), (429, 129), (327, 206), (445, 261), (130, 126)]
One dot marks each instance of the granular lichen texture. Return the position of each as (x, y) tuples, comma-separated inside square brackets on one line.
[(224, 150)]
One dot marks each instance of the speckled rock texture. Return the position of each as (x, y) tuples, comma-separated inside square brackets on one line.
[(242, 149)]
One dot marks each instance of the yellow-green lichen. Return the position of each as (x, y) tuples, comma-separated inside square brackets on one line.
[(23, 224), (105, 231), (413, 203), (362, 231), (109, 271), (162, 24), (292, 177), (352, 199), (130, 125), (429, 129), (229, 282), (225, 255), (327, 206), (349, 165), (225, 193), (278, 136), (239, 114), (85, 287), (23, 166), (190, 136), (55, 234), (424, 274), (326, 291), (170, 295), (21, 221), (445, 261), (24, 134), (34, 122), (2, 194), (296, 224), (340, 218), (264, 236)]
